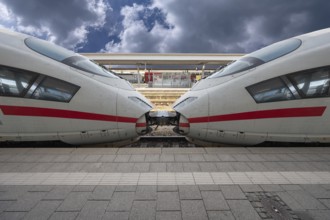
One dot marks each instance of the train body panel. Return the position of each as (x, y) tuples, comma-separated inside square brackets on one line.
[(285, 98), (69, 99)]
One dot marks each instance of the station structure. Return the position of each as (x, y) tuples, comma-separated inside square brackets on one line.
[(162, 78)]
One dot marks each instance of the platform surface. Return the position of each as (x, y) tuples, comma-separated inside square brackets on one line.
[(165, 183)]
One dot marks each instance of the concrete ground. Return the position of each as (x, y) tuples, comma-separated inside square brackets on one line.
[(165, 183)]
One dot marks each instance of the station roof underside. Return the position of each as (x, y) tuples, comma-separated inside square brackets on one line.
[(162, 59)]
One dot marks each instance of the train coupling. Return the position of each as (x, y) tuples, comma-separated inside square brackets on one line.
[(169, 118), (162, 118)]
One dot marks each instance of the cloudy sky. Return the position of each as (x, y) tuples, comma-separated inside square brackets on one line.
[(164, 26)]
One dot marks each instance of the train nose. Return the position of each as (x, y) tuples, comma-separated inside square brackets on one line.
[(183, 126), (142, 126)]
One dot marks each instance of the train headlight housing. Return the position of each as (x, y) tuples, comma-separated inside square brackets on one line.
[(185, 102), (140, 102)]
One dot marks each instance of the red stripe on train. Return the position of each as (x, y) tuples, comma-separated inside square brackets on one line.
[(59, 113), (184, 125), (141, 125), (263, 114)]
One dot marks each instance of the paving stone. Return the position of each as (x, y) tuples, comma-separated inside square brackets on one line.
[(273, 166), (241, 166), (317, 191), (5, 204), (122, 158), (271, 187), (152, 158), (126, 188), (257, 166), (41, 167), (124, 167), (58, 193), (251, 188), (92, 158), (325, 202), (208, 167), (64, 216), (211, 157), (181, 157), (43, 210), (137, 158), (287, 187), (196, 157), (225, 167), (209, 187), (255, 157), (243, 210), (226, 157), (146, 193), (167, 188), (291, 202), (143, 210), (141, 167), (12, 215), (174, 167), (77, 158), (158, 167), (108, 167), (14, 192), (102, 193), (107, 158), (319, 214), (41, 188), (193, 209), (168, 201), (26, 202), (172, 215), (91, 167), (232, 192), (74, 202), (116, 216), (121, 201), (83, 188), (220, 215), (93, 210), (189, 192), (305, 200), (166, 158), (191, 167), (214, 200)]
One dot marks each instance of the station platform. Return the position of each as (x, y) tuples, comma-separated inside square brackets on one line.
[(165, 183)]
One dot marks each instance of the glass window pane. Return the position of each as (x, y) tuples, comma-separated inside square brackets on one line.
[(55, 90), (313, 83), (14, 82), (270, 91)]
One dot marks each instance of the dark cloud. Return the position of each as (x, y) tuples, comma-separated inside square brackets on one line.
[(172, 26), (225, 25), (65, 22)]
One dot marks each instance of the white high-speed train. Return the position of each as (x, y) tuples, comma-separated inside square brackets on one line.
[(279, 93), (49, 93)]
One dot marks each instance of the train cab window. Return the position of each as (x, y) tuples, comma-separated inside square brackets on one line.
[(270, 91), (66, 57), (259, 57), (55, 90), (15, 82), (312, 83)]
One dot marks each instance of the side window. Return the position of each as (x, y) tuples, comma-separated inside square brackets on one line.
[(312, 83), (270, 91), (14, 82), (55, 90)]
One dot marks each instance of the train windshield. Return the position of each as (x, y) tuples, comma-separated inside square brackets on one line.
[(66, 56), (259, 57)]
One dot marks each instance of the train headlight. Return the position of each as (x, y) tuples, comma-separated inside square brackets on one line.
[(185, 102), (139, 102)]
